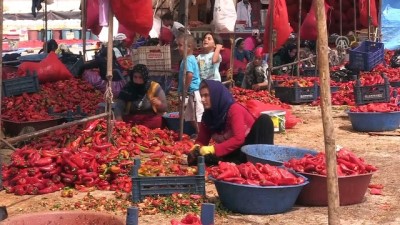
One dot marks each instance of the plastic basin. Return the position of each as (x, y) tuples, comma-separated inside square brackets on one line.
[(273, 154), (351, 189), (64, 218), (172, 123), (257, 200), (374, 121)]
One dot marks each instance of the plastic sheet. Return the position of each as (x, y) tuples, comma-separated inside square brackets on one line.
[(391, 24)]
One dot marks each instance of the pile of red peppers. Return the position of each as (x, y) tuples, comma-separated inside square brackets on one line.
[(347, 164), (254, 174)]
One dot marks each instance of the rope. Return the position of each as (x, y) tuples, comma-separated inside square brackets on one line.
[(108, 98)]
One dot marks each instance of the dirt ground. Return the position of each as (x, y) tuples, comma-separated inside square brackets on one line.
[(381, 151)]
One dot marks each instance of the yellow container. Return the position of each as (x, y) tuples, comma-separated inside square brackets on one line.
[(278, 118)]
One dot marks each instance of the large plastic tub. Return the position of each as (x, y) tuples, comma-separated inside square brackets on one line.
[(273, 154), (172, 123), (64, 218), (351, 189), (374, 121), (257, 200)]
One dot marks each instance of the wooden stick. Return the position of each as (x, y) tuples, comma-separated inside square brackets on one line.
[(110, 59), (297, 61), (84, 28), (232, 56), (271, 42), (8, 144), (327, 120), (380, 22), (384, 134), (50, 129), (298, 41), (45, 28), (1, 59), (182, 106)]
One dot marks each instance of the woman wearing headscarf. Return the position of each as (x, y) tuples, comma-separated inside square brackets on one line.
[(284, 56), (255, 76), (141, 101), (229, 124)]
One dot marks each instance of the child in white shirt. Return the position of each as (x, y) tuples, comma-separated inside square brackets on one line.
[(210, 58)]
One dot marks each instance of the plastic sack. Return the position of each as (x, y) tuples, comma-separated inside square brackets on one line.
[(140, 23), (104, 6), (92, 22), (50, 69), (166, 36), (280, 25), (130, 35), (308, 30), (256, 107), (363, 4), (224, 16)]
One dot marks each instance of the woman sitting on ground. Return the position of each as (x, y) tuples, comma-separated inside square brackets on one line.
[(141, 101)]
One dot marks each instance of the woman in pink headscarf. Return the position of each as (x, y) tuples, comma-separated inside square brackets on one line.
[(255, 76)]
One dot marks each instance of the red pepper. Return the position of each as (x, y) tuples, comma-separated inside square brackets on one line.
[(77, 159), (46, 190), (50, 153), (48, 168), (43, 161), (20, 190)]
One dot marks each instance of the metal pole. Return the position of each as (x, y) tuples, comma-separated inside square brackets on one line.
[(341, 17), (109, 69), (271, 40), (1, 81), (369, 19), (355, 18), (298, 40), (45, 28), (84, 28), (182, 109), (327, 121)]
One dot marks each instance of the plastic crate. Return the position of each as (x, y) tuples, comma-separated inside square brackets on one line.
[(374, 93), (152, 186), (69, 115), (366, 56), (154, 57), (334, 89), (395, 84), (19, 85), (296, 94)]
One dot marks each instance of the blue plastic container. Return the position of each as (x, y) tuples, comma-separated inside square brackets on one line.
[(172, 123), (374, 121), (273, 154), (257, 200), (366, 56)]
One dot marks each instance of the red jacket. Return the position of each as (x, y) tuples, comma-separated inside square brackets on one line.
[(238, 124)]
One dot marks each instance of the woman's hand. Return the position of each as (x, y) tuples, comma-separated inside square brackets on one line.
[(255, 87), (156, 102)]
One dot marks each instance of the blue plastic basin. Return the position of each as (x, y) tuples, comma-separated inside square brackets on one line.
[(172, 123), (374, 121), (273, 154), (257, 200)]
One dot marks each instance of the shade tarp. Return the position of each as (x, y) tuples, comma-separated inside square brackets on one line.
[(51, 15), (391, 24)]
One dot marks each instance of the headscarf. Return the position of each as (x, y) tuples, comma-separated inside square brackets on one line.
[(285, 57), (221, 100), (133, 91)]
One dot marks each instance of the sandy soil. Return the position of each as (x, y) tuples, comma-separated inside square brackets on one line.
[(382, 151)]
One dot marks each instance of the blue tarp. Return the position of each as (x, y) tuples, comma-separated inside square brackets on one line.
[(391, 24)]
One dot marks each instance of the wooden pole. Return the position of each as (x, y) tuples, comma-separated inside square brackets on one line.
[(298, 40), (380, 22), (50, 129), (369, 20), (271, 43), (184, 90), (341, 17), (45, 28), (327, 121), (84, 28), (1, 59), (109, 71), (232, 56), (355, 18)]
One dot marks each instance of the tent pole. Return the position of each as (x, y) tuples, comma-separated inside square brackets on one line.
[(271, 43), (45, 28), (298, 40), (109, 70), (379, 36), (1, 81), (355, 19), (369, 20), (326, 110), (184, 90), (341, 17), (232, 40), (84, 28)]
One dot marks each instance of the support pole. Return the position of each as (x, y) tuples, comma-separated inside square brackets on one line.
[(232, 56), (84, 28), (109, 71), (327, 121), (271, 43), (45, 28), (369, 20), (184, 90), (341, 17), (355, 18), (298, 40), (1, 81), (379, 38)]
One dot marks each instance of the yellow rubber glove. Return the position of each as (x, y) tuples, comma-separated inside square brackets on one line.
[(205, 150), (194, 147)]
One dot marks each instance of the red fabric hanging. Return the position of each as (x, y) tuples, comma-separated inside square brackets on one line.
[(308, 30), (136, 15), (130, 35), (280, 25), (92, 21), (363, 4)]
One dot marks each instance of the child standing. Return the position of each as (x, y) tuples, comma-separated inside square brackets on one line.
[(210, 59), (194, 109)]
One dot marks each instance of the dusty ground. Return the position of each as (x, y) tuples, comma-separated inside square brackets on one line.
[(382, 151)]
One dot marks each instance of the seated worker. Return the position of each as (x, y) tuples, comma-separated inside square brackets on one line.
[(285, 55), (51, 45), (170, 29), (229, 124), (141, 101), (255, 76), (99, 79), (241, 53)]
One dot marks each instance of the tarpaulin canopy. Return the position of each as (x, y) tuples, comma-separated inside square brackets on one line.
[(51, 15), (391, 23)]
